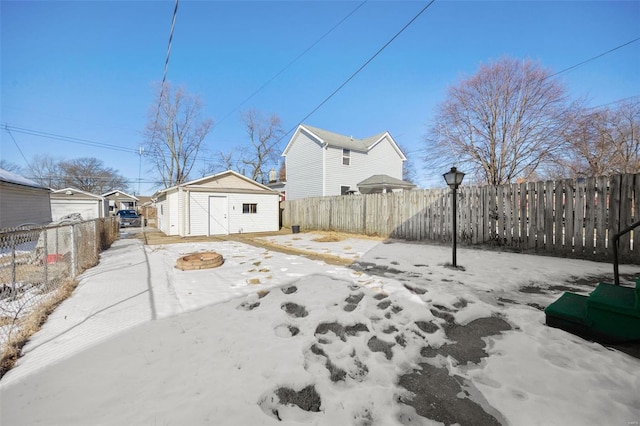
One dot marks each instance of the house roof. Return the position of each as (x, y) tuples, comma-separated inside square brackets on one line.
[(199, 183), (124, 194), (384, 181), (10, 177), (337, 140), (341, 141), (61, 193)]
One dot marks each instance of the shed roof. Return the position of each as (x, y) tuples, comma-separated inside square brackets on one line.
[(70, 192), (10, 177), (229, 183)]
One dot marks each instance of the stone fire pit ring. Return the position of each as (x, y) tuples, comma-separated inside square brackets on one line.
[(202, 260)]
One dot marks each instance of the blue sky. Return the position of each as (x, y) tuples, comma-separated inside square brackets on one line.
[(87, 69)]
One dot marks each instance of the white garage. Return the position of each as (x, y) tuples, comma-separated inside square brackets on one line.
[(221, 204), (70, 200)]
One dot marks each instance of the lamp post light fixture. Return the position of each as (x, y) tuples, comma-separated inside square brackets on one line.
[(454, 179)]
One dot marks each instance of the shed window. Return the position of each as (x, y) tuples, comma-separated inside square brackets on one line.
[(249, 208), (346, 156)]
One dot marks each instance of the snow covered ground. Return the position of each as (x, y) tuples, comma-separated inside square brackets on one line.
[(271, 338)]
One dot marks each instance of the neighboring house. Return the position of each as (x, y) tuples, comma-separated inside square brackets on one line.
[(277, 185), (119, 200), (147, 209), (221, 204), (322, 163), (22, 201), (71, 200)]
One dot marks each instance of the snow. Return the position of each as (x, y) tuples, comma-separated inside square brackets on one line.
[(140, 342), (11, 177)]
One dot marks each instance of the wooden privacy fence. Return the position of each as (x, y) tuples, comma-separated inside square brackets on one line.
[(562, 218)]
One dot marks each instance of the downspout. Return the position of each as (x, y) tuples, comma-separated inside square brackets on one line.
[(180, 211), (324, 169), (187, 207)]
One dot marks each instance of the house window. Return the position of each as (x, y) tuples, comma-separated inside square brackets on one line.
[(249, 208), (346, 156), (344, 190)]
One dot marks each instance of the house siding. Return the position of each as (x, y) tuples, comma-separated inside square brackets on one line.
[(387, 159), (172, 212), (381, 159), (22, 204), (304, 164), (265, 220)]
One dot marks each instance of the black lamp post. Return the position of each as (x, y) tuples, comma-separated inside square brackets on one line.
[(454, 179)]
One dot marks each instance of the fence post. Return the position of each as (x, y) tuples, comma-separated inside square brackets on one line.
[(12, 239), (74, 251), (45, 258)]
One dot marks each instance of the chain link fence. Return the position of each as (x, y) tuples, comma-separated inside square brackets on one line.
[(36, 262)]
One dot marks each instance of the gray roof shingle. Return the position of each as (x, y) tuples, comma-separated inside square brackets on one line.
[(340, 141)]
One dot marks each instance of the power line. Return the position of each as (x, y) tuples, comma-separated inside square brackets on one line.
[(595, 57), (166, 67), (17, 145), (70, 139), (359, 69), (291, 63), (173, 25), (614, 102)]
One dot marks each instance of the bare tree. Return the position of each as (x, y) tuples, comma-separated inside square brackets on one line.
[(623, 132), (45, 170), (10, 167), (87, 174), (264, 136), (601, 142), (90, 174), (502, 123), (175, 134), (220, 162)]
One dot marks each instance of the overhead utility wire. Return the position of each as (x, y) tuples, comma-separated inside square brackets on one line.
[(594, 58), (17, 145), (166, 66), (173, 25), (291, 63), (67, 139), (359, 69)]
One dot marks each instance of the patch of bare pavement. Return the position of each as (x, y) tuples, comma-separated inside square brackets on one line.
[(397, 331)]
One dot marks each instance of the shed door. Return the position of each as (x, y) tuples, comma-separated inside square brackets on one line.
[(218, 216)]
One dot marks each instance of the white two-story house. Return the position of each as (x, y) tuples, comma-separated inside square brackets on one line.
[(322, 163)]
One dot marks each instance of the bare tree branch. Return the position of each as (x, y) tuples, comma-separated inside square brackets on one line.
[(175, 133), (500, 124), (264, 135)]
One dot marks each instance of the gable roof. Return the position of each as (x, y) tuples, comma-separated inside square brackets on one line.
[(201, 183), (124, 194), (71, 191), (336, 140)]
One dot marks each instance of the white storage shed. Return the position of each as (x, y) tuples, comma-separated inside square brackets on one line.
[(221, 204)]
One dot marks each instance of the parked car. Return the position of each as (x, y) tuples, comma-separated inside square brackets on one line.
[(128, 218)]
